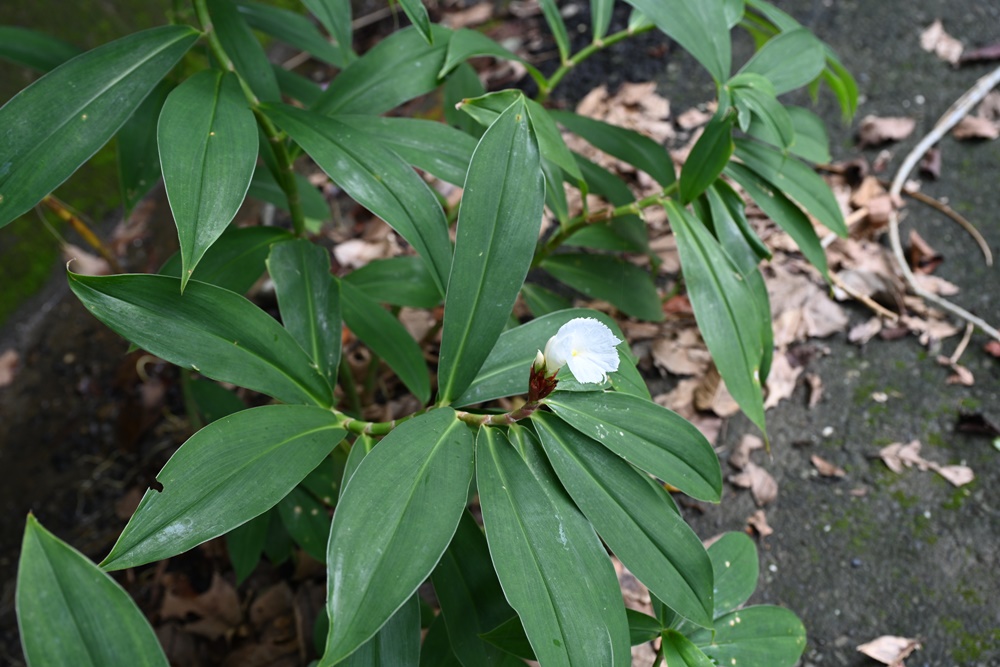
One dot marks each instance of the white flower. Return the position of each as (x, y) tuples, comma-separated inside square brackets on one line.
[(587, 346)]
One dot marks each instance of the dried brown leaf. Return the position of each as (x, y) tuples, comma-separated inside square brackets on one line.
[(935, 40), (355, 253), (217, 610), (930, 163), (740, 456), (758, 521), (84, 262), (982, 54), (864, 332), (825, 468), (683, 353), (781, 380), (875, 130), (993, 348), (695, 117), (868, 189), (956, 475), (889, 650), (815, 389), (898, 456), (922, 257), (477, 14), (9, 362), (975, 127), (762, 485), (712, 395)]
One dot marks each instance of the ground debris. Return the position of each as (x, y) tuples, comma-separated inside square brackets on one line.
[(758, 522), (898, 456), (890, 650), (935, 40), (875, 130)]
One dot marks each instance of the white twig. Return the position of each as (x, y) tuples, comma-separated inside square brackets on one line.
[(957, 112)]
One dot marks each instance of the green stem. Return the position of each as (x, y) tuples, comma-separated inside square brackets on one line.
[(347, 382), (362, 427), (190, 405), (286, 172), (545, 88), (504, 419)]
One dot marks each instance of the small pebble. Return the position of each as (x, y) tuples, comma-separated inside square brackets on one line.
[(855, 562)]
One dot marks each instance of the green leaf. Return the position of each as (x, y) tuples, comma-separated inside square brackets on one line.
[(34, 49), (263, 186), (761, 636), (625, 285), (376, 178), (208, 148), (235, 261), (708, 158), (54, 125), (646, 435), (359, 450), (138, 155), (510, 636), (400, 281), (291, 28), (498, 224), (783, 211), (436, 148), (551, 565), (472, 601), (208, 329), (297, 86), (245, 544), (335, 15), (243, 49), (600, 16), (725, 309), (397, 515), (541, 301), (789, 60), (700, 27), (638, 21), (397, 69), (795, 179), (753, 96), (642, 628), (213, 401), (735, 564), (307, 520), (417, 14), (436, 649), (387, 338), (506, 369), (397, 644), (324, 481), (811, 141), (71, 613), (309, 301), (638, 150), (734, 10), (631, 229), (224, 475), (462, 84), (633, 517), (467, 44), (278, 544), (678, 650), (552, 16)]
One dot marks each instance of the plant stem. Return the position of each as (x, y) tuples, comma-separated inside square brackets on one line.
[(504, 419), (545, 89), (362, 427), (347, 382), (190, 405)]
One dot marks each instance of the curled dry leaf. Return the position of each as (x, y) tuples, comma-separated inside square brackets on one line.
[(960, 374), (9, 362), (923, 258), (935, 40), (355, 253), (740, 456), (815, 389), (683, 353), (982, 54), (930, 163), (825, 468), (216, 612), (781, 380), (956, 475), (864, 332), (975, 127), (758, 521), (897, 456), (762, 485), (84, 262), (875, 131), (695, 117), (477, 14), (711, 395), (993, 348), (890, 650)]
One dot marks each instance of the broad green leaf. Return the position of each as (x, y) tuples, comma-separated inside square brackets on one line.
[(795, 179), (436, 650), (306, 520), (359, 450), (462, 84), (297, 86), (783, 211), (646, 435), (625, 285), (417, 14), (278, 544), (642, 627), (138, 156), (551, 565), (376, 178), (213, 401), (467, 44), (291, 28), (811, 141), (734, 10), (789, 60), (680, 651), (735, 564), (700, 27), (208, 148), (541, 301), (207, 329), (633, 517), (600, 16), (722, 192), (555, 192), (54, 125), (224, 475), (309, 301), (472, 601), (397, 69), (243, 49), (387, 338), (638, 21), (397, 644), (708, 158), (263, 186), (235, 261), (761, 636), (400, 281), (725, 309), (396, 517), (506, 369), (324, 481), (510, 636), (498, 223), (71, 613), (34, 49), (630, 228), (434, 147), (754, 97), (552, 16), (335, 15), (638, 150), (245, 544)]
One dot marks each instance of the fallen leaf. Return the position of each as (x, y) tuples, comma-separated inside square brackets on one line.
[(960, 374), (84, 262), (9, 362), (977, 423), (922, 257), (712, 395), (683, 353), (874, 130), (740, 456), (930, 163), (466, 18), (982, 54), (975, 127), (956, 475), (935, 40), (781, 380), (216, 611), (935, 284), (695, 117), (993, 348), (864, 332), (825, 468), (758, 521), (898, 456), (815, 389), (867, 190), (762, 485), (355, 253), (889, 650), (989, 108)]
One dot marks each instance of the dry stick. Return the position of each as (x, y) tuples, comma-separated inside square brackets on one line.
[(957, 112), (864, 298), (964, 343)]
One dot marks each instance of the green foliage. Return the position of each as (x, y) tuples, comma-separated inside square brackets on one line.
[(573, 466)]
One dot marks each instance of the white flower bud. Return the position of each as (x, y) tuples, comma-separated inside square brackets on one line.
[(587, 346)]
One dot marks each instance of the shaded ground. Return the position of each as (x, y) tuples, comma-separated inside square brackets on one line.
[(911, 556)]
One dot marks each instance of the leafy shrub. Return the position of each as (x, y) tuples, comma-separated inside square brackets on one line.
[(582, 460)]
